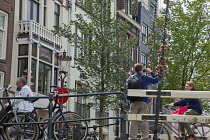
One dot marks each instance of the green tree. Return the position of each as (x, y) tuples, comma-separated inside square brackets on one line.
[(188, 49), (188, 44), (105, 50)]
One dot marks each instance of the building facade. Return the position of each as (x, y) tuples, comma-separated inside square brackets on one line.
[(148, 13), (7, 8), (141, 14), (35, 46), (39, 55), (36, 53)]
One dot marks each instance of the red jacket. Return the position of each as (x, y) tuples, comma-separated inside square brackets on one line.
[(180, 110)]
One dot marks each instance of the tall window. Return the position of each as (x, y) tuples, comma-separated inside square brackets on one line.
[(134, 7), (45, 74), (144, 33), (56, 14), (45, 13), (81, 107), (3, 33), (33, 10), (152, 11), (1, 79), (20, 9), (143, 58), (77, 51)]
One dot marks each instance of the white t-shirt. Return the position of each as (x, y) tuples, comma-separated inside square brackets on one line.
[(21, 104)]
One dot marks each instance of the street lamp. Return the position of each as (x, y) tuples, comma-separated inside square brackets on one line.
[(62, 73)]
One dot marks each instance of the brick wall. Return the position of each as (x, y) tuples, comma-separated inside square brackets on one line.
[(8, 6)]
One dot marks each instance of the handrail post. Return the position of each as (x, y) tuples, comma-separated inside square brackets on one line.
[(50, 106), (123, 121), (117, 129), (155, 137)]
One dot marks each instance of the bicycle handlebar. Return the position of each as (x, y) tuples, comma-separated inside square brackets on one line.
[(54, 86), (1, 89), (5, 89), (166, 106)]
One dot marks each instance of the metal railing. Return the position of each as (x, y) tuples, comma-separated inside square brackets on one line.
[(120, 119)]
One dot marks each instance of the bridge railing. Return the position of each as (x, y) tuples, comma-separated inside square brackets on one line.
[(120, 119), (170, 94)]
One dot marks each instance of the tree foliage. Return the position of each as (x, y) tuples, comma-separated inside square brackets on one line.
[(188, 45), (104, 48), (188, 49)]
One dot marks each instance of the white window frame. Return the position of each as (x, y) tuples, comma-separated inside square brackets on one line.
[(152, 11), (77, 51), (143, 58), (30, 11), (4, 38), (45, 13), (80, 100), (57, 14), (144, 31), (1, 79)]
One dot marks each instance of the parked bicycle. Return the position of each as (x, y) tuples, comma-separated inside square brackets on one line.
[(201, 131), (16, 125), (93, 134), (66, 125)]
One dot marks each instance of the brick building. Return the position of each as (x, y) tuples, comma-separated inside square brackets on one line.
[(6, 43)]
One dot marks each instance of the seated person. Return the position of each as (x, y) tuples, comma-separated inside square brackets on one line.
[(193, 108)]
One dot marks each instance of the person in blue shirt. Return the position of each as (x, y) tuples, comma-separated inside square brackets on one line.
[(141, 106), (193, 108)]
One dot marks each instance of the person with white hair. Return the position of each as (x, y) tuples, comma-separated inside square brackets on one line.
[(23, 91)]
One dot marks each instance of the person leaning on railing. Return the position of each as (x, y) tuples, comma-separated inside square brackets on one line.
[(193, 108)]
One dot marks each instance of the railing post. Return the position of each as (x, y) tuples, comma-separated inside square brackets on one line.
[(117, 129), (123, 119), (50, 106), (155, 137)]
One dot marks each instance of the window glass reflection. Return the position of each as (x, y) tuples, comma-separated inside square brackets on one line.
[(45, 54), (45, 73)]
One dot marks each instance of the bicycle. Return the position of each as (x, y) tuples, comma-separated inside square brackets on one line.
[(201, 131), (93, 135), (63, 129), (9, 116)]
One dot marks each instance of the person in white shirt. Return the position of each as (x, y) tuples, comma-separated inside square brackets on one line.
[(24, 91)]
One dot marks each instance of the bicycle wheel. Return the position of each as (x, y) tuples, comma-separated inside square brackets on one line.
[(162, 132), (93, 138), (201, 130), (21, 132), (69, 130)]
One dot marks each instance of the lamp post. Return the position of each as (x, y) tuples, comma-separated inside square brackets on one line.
[(62, 73)]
